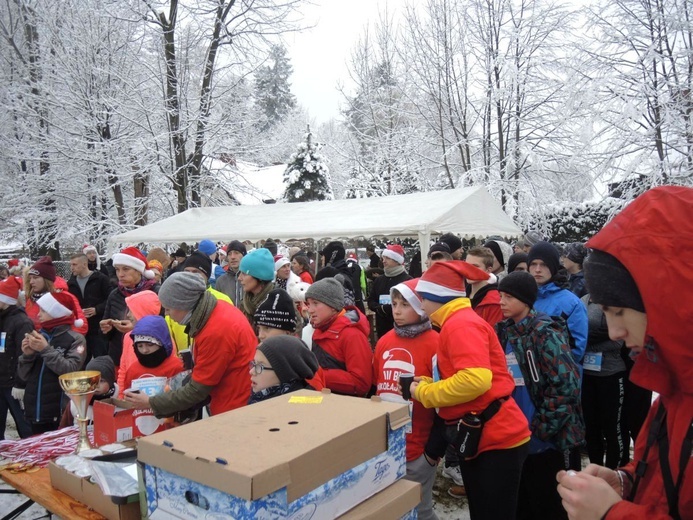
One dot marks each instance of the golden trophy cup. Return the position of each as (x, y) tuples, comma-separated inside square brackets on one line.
[(79, 387)]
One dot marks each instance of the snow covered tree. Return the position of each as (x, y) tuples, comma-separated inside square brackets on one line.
[(307, 175), (273, 95)]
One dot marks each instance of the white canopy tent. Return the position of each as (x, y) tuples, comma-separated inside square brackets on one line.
[(464, 211)]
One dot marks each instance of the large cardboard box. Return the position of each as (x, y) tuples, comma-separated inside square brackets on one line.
[(396, 501), (115, 420), (89, 493), (301, 455)]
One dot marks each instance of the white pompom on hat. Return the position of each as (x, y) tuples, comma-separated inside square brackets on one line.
[(133, 257), (394, 252)]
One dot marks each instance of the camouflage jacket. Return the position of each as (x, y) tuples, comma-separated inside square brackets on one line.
[(541, 346)]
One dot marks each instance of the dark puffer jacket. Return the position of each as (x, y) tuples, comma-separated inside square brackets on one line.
[(14, 324), (116, 309), (96, 292), (66, 352)]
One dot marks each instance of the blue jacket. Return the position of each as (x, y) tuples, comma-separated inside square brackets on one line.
[(554, 301)]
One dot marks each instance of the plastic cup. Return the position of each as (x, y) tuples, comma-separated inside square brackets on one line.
[(405, 381)]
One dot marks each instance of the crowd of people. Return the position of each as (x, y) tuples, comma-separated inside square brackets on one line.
[(523, 357)]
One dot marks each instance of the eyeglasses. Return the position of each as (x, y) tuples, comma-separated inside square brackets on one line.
[(257, 368)]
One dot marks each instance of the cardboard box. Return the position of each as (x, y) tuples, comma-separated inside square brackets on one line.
[(116, 421), (301, 455), (395, 501), (89, 493)]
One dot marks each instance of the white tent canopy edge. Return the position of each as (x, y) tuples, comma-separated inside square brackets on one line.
[(469, 212)]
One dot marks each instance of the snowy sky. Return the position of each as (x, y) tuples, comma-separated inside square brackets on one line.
[(320, 55)]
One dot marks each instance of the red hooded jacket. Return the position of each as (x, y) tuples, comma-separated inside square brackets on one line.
[(346, 340), (661, 220)]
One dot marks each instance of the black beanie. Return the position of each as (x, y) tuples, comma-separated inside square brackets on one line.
[(291, 359), (333, 252), (521, 285), (103, 364), (547, 253), (439, 247), (271, 245), (199, 261), (277, 311), (515, 260), (496, 250), (452, 241), (236, 245), (575, 252), (609, 282)]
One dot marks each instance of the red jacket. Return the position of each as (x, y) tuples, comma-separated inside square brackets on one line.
[(662, 219), (489, 308), (222, 351), (346, 340), (395, 355), (171, 366)]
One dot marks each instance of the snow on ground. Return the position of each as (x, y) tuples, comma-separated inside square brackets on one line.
[(446, 507)]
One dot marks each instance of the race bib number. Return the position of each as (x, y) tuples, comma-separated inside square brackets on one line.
[(514, 369), (592, 361), (3, 337), (384, 299)]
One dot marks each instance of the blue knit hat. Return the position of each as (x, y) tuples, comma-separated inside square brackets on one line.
[(259, 264), (207, 247)]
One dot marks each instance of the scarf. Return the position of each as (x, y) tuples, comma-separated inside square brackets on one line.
[(391, 272), (281, 284), (49, 325), (36, 296), (250, 303), (201, 313), (413, 329), (153, 359), (274, 391), (143, 285)]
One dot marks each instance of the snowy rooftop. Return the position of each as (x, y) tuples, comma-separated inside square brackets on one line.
[(249, 183)]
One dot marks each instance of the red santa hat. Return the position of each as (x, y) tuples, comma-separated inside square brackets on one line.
[(133, 257), (444, 281), (9, 290), (60, 305), (280, 261), (408, 291), (394, 252)]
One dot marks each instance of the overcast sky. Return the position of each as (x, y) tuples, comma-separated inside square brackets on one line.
[(319, 55)]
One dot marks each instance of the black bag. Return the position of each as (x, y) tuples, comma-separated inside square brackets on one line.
[(471, 426)]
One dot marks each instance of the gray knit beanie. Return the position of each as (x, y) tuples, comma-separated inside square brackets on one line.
[(291, 359), (328, 291), (181, 291), (103, 364)]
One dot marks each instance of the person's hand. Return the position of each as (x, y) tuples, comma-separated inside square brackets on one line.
[(18, 394), (26, 348), (89, 312), (585, 496), (123, 326), (432, 461), (106, 326), (36, 341), (609, 475), (139, 400)]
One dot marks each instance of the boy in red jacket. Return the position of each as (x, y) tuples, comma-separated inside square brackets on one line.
[(409, 348), (340, 339)]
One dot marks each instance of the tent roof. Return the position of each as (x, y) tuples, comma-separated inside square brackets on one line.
[(465, 211)]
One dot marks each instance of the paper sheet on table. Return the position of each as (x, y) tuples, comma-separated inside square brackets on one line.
[(115, 479)]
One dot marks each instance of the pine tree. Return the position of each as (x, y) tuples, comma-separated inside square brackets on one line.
[(273, 96), (306, 176)]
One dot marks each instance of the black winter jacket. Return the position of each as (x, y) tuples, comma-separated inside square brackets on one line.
[(384, 322), (116, 309), (96, 292), (66, 352), (14, 324)]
